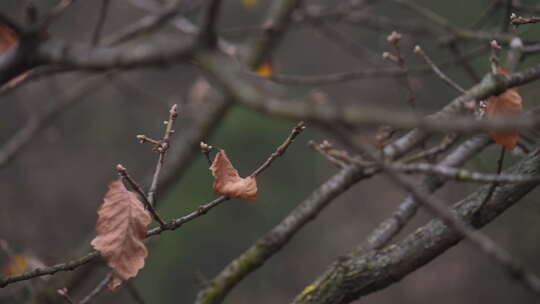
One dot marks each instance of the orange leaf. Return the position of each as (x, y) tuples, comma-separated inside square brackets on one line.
[(120, 229), (17, 265), (265, 70), (8, 38), (227, 181), (508, 103)]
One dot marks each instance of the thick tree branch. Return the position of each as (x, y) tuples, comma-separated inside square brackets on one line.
[(360, 274)]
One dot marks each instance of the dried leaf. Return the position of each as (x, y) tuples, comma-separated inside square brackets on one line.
[(120, 229), (227, 181), (17, 265), (8, 38), (265, 70), (506, 104)]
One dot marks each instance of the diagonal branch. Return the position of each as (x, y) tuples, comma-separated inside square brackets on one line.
[(365, 272)]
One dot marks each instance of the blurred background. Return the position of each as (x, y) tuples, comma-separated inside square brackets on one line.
[(51, 190)]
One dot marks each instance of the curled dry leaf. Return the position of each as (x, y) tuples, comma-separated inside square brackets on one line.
[(227, 181), (121, 228), (506, 104)]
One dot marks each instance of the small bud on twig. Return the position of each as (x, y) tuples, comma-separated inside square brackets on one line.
[(389, 56), (120, 168), (394, 37)]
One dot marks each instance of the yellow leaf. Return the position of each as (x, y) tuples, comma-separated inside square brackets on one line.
[(16, 266), (265, 70)]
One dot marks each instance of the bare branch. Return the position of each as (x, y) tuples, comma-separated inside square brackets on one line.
[(438, 208), (162, 150), (96, 36), (516, 20), (281, 149), (362, 273), (438, 71), (125, 176), (98, 289), (208, 34)]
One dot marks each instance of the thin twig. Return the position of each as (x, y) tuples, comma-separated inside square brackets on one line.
[(96, 36), (122, 171), (145, 139), (394, 38), (432, 153), (494, 58), (134, 292), (281, 149), (332, 158), (438, 71), (55, 13), (342, 158), (516, 20), (341, 77), (208, 34), (206, 149), (39, 121), (162, 150), (493, 186), (99, 287), (438, 208), (64, 294), (507, 17)]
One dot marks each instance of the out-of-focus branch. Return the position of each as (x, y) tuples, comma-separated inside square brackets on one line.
[(274, 27), (208, 34), (244, 91), (104, 10), (358, 275), (99, 288), (455, 31), (390, 227), (333, 78), (435, 68), (516, 20), (39, 121), (438, 208)]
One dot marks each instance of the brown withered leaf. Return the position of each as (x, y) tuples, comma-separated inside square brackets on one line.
[(8, 38), (17, 265), (227, 181), (121, 228), (504, 105)]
